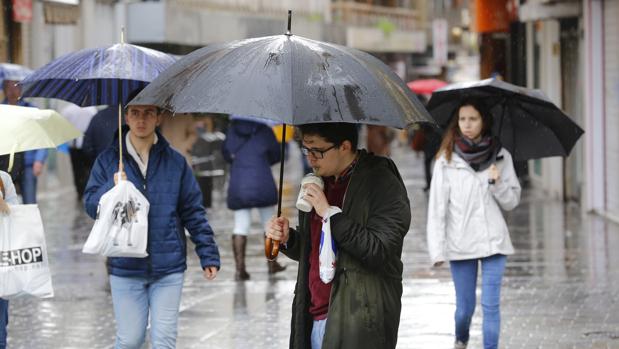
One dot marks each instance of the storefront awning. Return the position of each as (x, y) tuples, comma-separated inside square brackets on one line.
[(536, 11), (61, 11)]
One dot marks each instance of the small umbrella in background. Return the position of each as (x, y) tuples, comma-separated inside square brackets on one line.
[(13, 72), (26, 128), (279, 132), (528, 124), (426, 86), (100, 76), (79, 117), (290, 80)]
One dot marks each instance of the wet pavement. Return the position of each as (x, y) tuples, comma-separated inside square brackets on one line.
[(561, 288)]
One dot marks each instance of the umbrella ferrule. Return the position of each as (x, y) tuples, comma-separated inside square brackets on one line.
[(289, 31)]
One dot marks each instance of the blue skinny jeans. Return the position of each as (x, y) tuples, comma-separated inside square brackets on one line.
[(464, 275)]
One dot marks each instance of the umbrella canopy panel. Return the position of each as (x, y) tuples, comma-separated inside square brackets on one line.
[(99, 76), (288, 79), (25, 128)]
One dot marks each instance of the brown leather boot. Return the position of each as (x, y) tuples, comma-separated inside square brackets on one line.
[(239, 242), (275, 267)]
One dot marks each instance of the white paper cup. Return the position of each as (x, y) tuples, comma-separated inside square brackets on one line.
[(302, 204)]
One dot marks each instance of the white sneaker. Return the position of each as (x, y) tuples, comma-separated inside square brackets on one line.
[(459, 345)]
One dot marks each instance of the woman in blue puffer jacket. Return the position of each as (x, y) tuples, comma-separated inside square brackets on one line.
[(251, 148)]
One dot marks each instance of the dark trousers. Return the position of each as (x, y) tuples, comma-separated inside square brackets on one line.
[(80, 163), (4, 320), (206, 186), (29, 186), (427, 167)]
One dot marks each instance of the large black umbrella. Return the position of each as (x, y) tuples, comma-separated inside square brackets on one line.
[(528, 124), (288, 79)]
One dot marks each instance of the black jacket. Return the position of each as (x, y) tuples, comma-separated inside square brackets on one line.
[(365, 303)]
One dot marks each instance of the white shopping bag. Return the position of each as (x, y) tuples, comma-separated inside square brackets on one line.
[(327, 252), (121, 227), (24, 268)]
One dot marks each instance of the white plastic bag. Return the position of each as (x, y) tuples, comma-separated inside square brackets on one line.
[(328, 250), (121, 227), (24, 268)]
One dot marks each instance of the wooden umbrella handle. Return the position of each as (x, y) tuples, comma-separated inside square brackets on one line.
[(271, 248)]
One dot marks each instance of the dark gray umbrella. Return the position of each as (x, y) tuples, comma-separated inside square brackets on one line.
[(288, 79), (528, 124)]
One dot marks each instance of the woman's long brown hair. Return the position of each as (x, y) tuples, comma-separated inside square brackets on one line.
[(453, 129)]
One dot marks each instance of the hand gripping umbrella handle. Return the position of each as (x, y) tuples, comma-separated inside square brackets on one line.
[(271, 248)]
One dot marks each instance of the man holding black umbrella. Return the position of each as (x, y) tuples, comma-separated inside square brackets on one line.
[(365, 202)]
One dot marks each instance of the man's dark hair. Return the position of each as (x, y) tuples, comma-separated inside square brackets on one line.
[(333, 132)]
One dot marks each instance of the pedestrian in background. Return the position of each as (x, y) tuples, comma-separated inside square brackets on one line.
[(428, 139), (7, 196), (180, 131), (379, 139), (206, 158), (365, 202), (80, 161), (251, 149), (473, 180), (33, 160), (151, 287)]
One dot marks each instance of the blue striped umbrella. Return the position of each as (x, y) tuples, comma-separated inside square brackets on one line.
[(98, 76)]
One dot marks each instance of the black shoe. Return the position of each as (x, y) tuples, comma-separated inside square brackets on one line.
[(275, 267), (241, 275)]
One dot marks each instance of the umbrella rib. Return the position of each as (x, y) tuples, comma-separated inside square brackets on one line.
[(292, 101)]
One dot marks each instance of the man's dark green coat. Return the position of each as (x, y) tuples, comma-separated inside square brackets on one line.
[(365, 303)]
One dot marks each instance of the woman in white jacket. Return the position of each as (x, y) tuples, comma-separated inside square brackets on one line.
[(7, 196), (473, 180)]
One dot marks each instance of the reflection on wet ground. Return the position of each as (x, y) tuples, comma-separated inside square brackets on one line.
[(561, 287)]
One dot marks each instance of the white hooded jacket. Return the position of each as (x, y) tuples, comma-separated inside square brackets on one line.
[(464, 214)]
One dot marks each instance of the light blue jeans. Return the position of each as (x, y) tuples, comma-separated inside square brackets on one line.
[(4, 321), (464, 275), (135, 298), (318, 333), (242, 219)]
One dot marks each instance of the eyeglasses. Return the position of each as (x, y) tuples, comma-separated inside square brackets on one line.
[(316, 153)]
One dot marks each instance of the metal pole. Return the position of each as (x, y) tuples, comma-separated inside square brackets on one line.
[(281, 171)]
